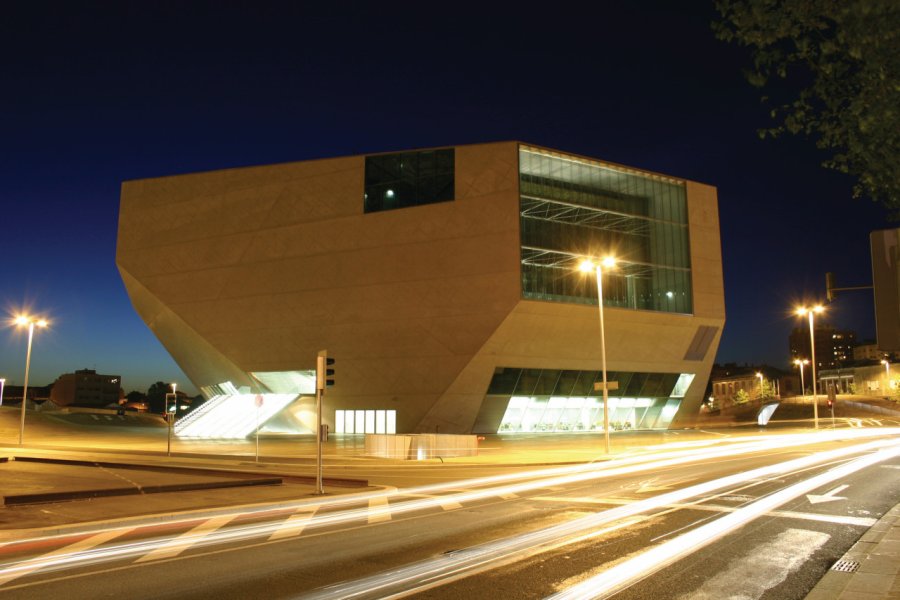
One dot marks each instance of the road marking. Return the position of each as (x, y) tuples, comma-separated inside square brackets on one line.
[(295, 524), (648, 486), (787, 514), (514, 496), (445, 504), (890, 466), (29, 566), (828, 496), (184, 541), (379, 510), (761, 569)]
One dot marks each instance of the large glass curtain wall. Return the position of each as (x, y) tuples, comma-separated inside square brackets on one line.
[(552, 400), (571, 208)]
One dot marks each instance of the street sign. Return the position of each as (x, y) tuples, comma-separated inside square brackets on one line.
[(610, 386)]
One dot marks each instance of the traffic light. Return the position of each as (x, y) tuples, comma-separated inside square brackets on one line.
[(323, 373)]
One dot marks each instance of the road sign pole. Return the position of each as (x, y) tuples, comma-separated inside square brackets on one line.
[(259, 402)]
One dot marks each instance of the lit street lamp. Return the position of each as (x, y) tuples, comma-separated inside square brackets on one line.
[(587, 266), (2, 385), (800, 364), (760, 377), (802, 312), (887, 376), (21, 321)]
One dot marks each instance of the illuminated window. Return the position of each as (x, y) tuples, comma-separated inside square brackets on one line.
[(408, 179), (550, 400), (568, 204), (365, 421)]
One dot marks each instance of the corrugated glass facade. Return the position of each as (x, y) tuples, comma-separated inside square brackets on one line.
[(554, 400), (572, 208)]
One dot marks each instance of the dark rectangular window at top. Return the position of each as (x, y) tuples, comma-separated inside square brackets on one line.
[(408, 179)]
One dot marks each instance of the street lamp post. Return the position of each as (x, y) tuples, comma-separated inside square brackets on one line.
[(587, 266), (170, 419), (23, 320), (803, 311), (2, 385), (800, 364), (887, 376), (760, 377)]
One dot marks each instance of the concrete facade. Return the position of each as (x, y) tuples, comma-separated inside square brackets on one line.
[(256, 269)]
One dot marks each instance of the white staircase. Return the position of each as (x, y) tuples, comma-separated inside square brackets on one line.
[(231, 416)]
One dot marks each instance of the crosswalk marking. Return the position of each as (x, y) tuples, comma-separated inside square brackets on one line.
[(840, 519), (184, 541), (34, 564), (379, 510), (295, 524)]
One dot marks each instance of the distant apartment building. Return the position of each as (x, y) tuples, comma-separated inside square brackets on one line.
[(86, 388), (834, 347)]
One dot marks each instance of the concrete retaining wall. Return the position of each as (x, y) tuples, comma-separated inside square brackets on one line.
[(421, 446)]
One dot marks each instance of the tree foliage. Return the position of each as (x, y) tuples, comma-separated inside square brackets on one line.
[(156, 396), (842, 59)]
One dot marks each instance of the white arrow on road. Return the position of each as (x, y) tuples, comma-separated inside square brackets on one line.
[(828, 496), (651, 485)]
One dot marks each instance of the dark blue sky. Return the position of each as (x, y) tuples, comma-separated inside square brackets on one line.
[(97, 93)]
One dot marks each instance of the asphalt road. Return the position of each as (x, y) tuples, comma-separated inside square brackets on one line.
[(494, 539)]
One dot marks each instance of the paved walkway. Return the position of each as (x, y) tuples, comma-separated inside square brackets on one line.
[(870, 570)]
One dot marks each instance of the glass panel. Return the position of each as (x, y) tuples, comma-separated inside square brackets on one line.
[(370, 421), (392, 421), (504, 381), (408, 179), (380, 423), (360, 421), (348, 422), (339, 421)]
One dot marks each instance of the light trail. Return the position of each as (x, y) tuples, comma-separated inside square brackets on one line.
[(543, 478), (641, 566), (430, 573)]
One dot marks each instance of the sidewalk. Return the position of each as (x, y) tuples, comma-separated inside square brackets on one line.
[(870, 570)]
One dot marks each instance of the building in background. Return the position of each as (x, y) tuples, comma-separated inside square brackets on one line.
[(86, 388), (728, 381), (443, 281), (882, 379), (834, 347), (885, 246), (870, 352)]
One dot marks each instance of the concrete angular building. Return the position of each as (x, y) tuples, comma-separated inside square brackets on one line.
[(443, 281)]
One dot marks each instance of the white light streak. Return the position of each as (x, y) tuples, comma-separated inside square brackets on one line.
[(507, 485), (426, 574), (638, 567)]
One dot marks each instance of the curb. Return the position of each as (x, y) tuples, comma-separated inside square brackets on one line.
[(21, 499)]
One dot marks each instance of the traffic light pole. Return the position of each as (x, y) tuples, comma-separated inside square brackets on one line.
[(322, 381), (319, 488)]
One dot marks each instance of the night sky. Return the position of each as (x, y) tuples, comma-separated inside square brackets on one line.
[(94, 94)]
